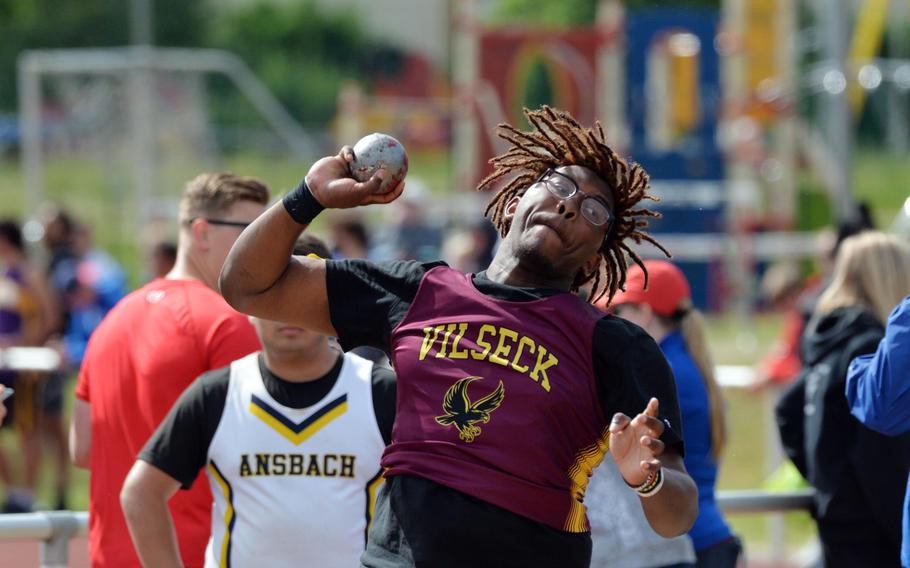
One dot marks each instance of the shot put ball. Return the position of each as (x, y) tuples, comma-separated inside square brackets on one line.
[(376, 151)]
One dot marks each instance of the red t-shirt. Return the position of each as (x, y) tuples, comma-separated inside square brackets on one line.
[(148, 349), (782, 364)]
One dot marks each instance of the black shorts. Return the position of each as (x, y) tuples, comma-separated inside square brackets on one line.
[(50, 396), (37, 394), (21, 408), (421, 523)]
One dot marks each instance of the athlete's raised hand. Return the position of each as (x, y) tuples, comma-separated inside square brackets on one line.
[(635, 443), (331, 183)]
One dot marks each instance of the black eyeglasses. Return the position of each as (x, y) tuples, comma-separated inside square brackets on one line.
[(223, 222), (593, 209)]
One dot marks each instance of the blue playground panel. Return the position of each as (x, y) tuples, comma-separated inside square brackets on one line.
[(699, 162)]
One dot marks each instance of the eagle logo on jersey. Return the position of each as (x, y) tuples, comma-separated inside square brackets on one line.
[(463, 413)]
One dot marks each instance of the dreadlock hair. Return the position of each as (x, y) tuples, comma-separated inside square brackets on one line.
[(558, 140)]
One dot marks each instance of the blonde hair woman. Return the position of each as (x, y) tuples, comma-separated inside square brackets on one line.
[(872, 270), (664, 310), (857, 501)]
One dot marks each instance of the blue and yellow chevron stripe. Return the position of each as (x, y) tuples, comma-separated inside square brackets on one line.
[(298, 433)]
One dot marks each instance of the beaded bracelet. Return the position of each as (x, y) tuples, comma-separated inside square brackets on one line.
[(648, 480), (651, 485)]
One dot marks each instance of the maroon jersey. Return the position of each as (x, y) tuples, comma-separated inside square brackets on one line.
[(497, 399)]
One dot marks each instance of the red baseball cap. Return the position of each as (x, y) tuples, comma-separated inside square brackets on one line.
[(667, 287)]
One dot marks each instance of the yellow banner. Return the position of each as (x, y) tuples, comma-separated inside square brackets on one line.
[(760, 42), (866, 43), (761, 58)]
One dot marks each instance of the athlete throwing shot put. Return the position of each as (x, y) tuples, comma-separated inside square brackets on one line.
[(511, 389)]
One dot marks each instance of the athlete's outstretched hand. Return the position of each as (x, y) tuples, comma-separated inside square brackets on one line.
[(635, 443), (331, 183)]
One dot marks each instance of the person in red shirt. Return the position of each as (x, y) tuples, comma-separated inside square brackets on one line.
[(784, 288), (147, 350)]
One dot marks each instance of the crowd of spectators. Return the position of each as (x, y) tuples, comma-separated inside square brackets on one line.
[(52, 296)]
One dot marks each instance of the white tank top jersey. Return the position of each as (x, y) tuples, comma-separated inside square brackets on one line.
[(293, 487)]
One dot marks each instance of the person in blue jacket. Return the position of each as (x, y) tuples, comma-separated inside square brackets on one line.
[(664, 310), (878, 390)]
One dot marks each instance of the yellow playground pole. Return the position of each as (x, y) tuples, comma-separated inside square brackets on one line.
[(865, 45)]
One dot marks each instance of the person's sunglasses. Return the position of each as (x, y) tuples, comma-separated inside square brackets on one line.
[(222, 222), (593, 209)]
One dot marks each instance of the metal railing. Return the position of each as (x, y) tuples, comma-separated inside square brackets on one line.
[(42, 359), (755, 501), (55, 528)]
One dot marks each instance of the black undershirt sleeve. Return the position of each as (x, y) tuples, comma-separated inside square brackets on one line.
[(368, 299), (384, 391), (180, 445), (630, 369)]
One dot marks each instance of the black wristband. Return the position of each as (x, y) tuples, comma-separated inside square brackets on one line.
[(301, 204)]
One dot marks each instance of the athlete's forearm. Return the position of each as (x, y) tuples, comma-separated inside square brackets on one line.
[(262, 279), (672, 511), (259, 258), (144, 502), (153, 532)]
